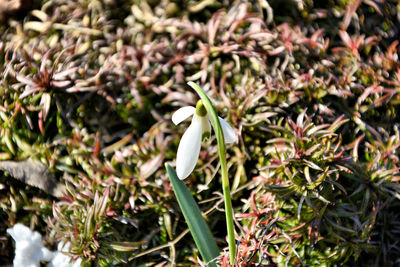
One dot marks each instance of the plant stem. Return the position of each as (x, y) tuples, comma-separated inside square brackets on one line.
[(228, 206), (224, 169)]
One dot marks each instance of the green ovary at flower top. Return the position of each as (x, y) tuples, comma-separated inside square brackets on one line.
[(189, 146)]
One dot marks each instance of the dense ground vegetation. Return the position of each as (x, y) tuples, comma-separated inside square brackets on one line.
[(311, 88)]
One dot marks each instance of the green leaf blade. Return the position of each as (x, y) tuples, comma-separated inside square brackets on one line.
[(198, 227)]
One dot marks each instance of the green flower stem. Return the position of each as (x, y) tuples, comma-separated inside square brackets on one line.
[(224, 169)]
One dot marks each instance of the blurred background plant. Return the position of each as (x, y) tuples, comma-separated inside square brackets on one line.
[(312, 89)]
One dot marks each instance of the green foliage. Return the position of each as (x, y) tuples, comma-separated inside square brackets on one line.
[(311, 88), (198, 227)]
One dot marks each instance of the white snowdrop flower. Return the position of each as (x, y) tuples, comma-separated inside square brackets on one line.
[(29, 249), (200, 128), (61, 259)]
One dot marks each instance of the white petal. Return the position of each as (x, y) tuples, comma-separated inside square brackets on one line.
[(206, 127), (182, 114), (189, 148), (229, 133)]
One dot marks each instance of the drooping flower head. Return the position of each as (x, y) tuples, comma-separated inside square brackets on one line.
[(199, 129)]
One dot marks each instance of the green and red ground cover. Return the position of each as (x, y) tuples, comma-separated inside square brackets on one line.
[(311, 88)]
